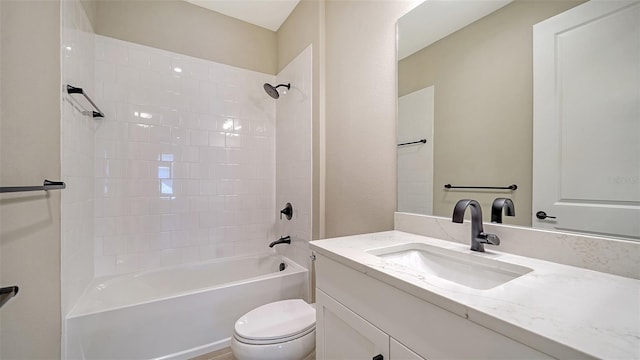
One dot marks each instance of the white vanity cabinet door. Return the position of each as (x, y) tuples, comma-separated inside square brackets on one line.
[(343, 335), (398, 351)]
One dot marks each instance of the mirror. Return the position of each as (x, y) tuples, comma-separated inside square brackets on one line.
[(465, 83)]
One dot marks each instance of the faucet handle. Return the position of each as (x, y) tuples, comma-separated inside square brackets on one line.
[(492, 239), (287, 211)]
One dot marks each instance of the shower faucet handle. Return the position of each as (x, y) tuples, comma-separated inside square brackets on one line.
[(287, 211)]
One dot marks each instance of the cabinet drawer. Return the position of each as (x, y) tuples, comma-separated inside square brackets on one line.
[(398, 351)]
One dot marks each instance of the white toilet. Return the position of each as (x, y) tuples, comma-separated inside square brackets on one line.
[(281, 330)]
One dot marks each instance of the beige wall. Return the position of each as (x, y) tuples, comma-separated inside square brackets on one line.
[(303, 27), (29, 153), (483, 82), (188, 29), (89, 7), (361, 115)]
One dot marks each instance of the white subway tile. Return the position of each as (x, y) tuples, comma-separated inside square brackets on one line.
[(150, 260), (162, 240), (160, 205), (139, 206), (242, 126), (160, 63), (137, 244), (128, 75), (114, 245), (180, 174), (160, 134), (149, 152), (170, 222), (114, 53), (104, 71), (191, 187), (231, 76), (233, 140), (127, 263), (217, 235), (199, 237), (216, 106), (198, 203), (207, 122), (231, 109), (207, 220), (198, 138), (234, 233), (208, 187), (189, 221), (217, 139), (189, 86), (179, 136), (189, 255), (180, 204), (170, 257), (198, 103), (105, 265), (139, 59), (179, 239), (208, 89), (138, 169)]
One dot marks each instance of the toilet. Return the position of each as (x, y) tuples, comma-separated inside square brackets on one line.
[(281, 330)]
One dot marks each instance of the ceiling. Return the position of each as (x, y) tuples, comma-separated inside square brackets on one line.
[(269, 14), (433, 20)]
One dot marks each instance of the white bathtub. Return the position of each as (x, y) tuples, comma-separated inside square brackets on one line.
[(176, 313)]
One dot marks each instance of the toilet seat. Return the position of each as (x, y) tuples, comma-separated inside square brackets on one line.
[(274, 341), (276, 322)]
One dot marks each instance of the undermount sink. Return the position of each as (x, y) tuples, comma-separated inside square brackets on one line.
[(472, 270)]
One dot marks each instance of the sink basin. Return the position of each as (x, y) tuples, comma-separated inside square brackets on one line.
[(476, 271)]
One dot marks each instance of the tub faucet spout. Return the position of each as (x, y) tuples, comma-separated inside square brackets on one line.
[(478, 236), (282, 240)]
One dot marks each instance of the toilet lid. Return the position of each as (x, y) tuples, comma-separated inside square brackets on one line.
[(276, 320)]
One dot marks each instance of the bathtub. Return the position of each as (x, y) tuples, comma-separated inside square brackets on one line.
[(176, 313)]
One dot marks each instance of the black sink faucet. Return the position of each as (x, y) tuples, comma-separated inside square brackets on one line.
[(498, 205), (282, 240), (478, 236)]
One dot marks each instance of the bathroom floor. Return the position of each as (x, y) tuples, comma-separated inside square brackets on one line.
[(225, 354), (222, 354)]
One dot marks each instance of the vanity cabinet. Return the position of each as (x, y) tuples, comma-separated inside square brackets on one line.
[(359, 317)]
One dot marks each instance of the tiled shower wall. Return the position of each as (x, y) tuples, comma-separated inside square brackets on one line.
[(184, 159), (293, 157), (77, 160)]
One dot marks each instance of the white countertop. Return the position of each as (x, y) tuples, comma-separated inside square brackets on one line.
[(562, 310)]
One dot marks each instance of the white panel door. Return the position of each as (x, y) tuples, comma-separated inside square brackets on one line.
[(343, 335), (586, 158), (415, 161)]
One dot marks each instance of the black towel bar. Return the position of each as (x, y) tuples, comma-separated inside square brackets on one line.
[(421, 141), (47, 185), (510, 187), (77, 90)]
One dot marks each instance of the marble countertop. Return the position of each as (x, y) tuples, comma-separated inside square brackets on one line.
[(564, 311)]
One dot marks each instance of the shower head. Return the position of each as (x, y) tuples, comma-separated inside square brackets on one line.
[(273, 90)]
